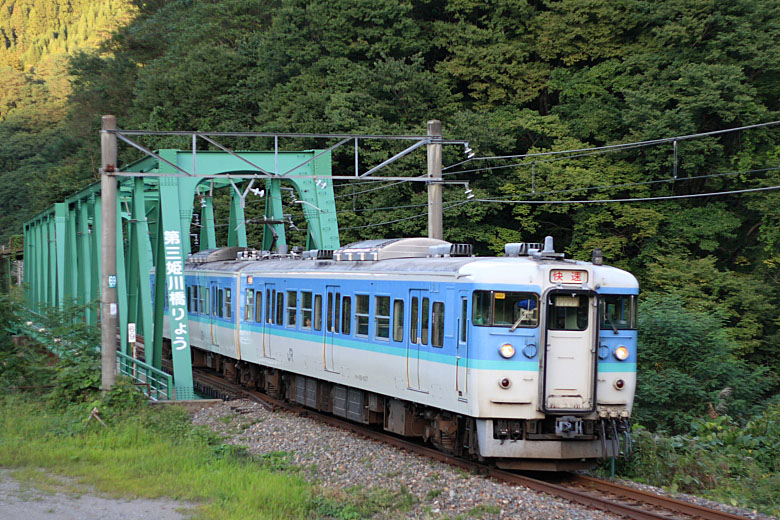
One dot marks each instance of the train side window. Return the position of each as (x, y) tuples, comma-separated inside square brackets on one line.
[(330, 313), (259, 306), (317, 312), (481, 308), (220, 299), (464, 316), (346, 315), (424, 329), (292, 307), (337, 313), (205, 292), (415, 307), (249, 309), (228, 304), (280, 308), (398, 320), (437, 338), (189, 294), (270, 298), (382, 313), (195, 296), (361, 314), (306, 309)]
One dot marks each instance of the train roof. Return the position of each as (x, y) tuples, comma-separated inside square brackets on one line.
[(404, 257)]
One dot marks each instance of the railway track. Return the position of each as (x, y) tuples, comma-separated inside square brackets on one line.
[(591, 492)]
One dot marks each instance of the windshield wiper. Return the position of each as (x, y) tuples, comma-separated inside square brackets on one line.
[(614, 329)]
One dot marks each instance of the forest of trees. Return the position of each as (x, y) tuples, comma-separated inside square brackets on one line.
[(511, 77)]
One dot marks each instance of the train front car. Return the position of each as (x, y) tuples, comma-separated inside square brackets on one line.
[(552, 358)]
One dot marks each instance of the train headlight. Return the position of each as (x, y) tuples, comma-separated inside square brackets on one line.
[(529, 350), (621, 353), (506, 350)]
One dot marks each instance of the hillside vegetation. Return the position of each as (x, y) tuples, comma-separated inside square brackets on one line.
[(512, 77)]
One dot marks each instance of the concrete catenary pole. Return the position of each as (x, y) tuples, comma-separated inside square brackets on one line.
[(108, 283), (435, 228)]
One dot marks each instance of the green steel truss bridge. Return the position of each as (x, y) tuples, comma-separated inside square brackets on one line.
[(154, 205)]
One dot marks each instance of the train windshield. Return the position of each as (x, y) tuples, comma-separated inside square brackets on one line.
[(504, 309), (617, 312)]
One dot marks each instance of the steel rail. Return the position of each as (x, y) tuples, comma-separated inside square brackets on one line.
[(585, 498), (669, 503)]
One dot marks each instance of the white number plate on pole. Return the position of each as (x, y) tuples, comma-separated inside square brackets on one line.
[(131, 332)]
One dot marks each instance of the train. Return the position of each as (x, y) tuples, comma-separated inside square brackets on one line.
[(526, 360)]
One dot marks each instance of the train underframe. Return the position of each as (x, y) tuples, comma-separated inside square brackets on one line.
[(538, 444)]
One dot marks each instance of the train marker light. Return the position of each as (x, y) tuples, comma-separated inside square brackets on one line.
[(621, 353), (505, 383), (529, 351), (506, 350), (619, 384)]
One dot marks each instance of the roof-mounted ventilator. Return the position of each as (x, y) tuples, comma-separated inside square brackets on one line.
[(533, 249)]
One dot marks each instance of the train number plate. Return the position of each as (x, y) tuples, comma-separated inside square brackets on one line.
[(568, 276)]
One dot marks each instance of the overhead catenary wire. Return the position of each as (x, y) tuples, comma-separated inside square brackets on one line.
[(450, 206), (645, 183), (635, 144), (634, 199)]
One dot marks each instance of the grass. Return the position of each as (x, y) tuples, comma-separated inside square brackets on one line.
[(157, 453)]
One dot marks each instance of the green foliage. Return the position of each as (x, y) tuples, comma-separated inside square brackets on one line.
[(720, 459), (687, 365)]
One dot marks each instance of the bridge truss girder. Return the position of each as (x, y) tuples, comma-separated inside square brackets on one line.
[(62, 244)]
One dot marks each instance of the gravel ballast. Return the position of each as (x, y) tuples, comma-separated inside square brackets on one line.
[(339, 461)]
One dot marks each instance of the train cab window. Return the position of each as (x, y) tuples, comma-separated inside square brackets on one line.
[(414, 313), (317, 312), (259, 306), (346, 315), (464, 316), (361, 314), (228, 304), (398, 320), (249, 309), (382, 312), (568, 312), (617, 312), (292, 307), (426, 304), (437, 337), (504, 309), (306, 309), (280, 308)]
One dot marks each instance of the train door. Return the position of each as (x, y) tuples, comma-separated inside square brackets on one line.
[(462, 347), (419, 335), (571, 334), (270, 314), (214, 293), (332, 323)]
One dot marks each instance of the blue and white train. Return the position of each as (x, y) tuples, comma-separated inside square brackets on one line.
[(528, 359)]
